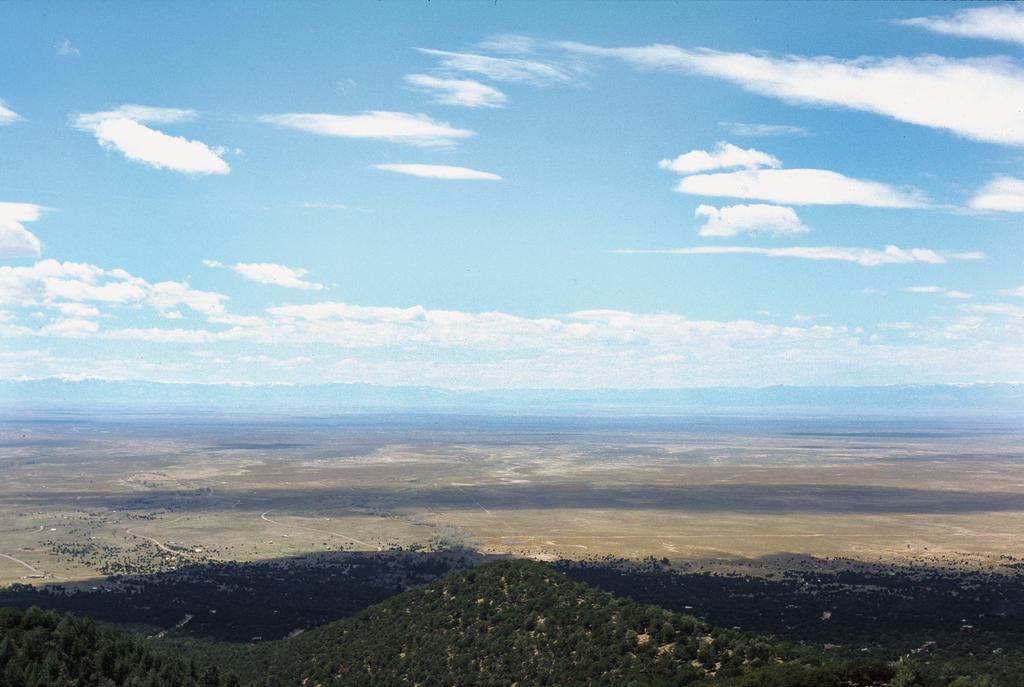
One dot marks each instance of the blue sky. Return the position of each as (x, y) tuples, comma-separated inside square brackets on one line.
[(512, 194)]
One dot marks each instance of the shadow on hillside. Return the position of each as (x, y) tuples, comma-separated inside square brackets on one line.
[(270, 599), (239, 601)]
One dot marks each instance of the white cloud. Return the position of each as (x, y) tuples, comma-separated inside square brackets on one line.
[(270, 273), (510, 43), (437, 171), (15, 240), (325, 206), (1019, 291), (236, 320), (798, 187), (763, 130), (791, 186), (65, 49), (70, 327), (1007, 309), (180, 336), (139, 113), (77, 310), (7, 115), (998, 23), (166, 296), (868, 257), (122, 129), (48, 281), (418, 129), (940, 291), (88, 288), (464, 92), (509, 69), (334, 310), (758, 218), (335, 341), (68, 286), (977, 98), (1003, 194), (724, 156), (348, 325)]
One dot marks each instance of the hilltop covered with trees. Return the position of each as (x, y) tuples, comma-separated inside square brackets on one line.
[(521, 623), (504, 623)]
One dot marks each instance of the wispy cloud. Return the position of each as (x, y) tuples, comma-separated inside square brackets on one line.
[(270, 273), (757, 218), (977, 98), (325, 206), (15, 240), (754, 129), (1007, 309), (509, 43), (7, 115), (723, 156), (998, 23), (401, 127), (939, 291), (124, 129), (140, 113), (437, 171), (868, 257), (798, 187), (510, 69), (462, 92), (1019, 291), (65, 49), (1002, 194)]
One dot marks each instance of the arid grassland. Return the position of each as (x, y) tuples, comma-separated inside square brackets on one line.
[(83, 497)]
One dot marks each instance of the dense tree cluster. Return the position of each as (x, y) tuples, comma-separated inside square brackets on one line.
[(960, 621), (501, 623), (519, 622), (46, 649)]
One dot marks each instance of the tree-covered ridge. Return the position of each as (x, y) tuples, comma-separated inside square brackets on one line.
[(520, 623), (508, 623), (47, 649)]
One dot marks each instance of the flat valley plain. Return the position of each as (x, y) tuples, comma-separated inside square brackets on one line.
[(87, 496)]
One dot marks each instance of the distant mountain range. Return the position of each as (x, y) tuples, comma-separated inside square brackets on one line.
[(982, 399)]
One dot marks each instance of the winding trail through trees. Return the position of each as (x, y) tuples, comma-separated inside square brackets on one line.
[(263, 516), (159, 544)]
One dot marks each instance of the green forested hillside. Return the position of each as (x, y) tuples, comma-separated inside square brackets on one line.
[(46, 649), (519, 622), (507, 623)]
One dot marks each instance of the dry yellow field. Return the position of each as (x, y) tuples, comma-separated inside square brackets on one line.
[(82, 497)]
